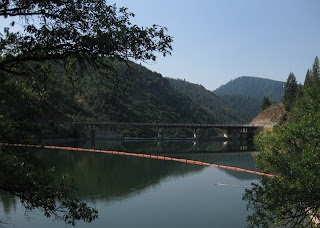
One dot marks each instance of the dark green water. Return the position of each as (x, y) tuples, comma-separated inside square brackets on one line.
[(139, 192)]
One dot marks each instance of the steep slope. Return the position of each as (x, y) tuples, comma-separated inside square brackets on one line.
[(268, 118), (218, 108), (253, 87), (132, 93), (248, 105)]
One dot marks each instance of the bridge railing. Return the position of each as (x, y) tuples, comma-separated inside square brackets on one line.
[(167, 125)]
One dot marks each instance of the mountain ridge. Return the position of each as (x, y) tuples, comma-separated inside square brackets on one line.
[(254, 87), (217, 106)]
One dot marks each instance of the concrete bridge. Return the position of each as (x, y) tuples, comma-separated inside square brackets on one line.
[(99, 129)]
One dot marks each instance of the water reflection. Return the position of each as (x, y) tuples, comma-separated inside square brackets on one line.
[(128, 187), (242, 160), (164, 147), (111, 177), (8, 202)]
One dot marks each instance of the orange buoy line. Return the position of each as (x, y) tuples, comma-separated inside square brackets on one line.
[(144, 156)]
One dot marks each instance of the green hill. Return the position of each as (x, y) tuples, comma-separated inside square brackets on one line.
[(125, 93), (249, 105), (253, 87), (218, 108), (246, 93), (132, 93)]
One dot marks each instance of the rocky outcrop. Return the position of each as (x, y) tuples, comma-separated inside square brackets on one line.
[(268, 118)]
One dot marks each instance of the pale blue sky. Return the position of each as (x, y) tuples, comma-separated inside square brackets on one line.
[(216, 41)]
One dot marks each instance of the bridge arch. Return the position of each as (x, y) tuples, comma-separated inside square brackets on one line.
[(181, 132), (145, 132), (230, 131), (213, 132)]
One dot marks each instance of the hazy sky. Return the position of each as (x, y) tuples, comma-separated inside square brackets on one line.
[(216, 41)]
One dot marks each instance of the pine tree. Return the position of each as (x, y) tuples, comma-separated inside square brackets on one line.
[(299, 92), (266, 103), (315, 75), (307, 81), (290, 91)]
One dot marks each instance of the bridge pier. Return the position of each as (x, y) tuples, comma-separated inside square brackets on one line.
[(238, 133), (96, 129), (160, 136), (196, 132), (89, 130), (99, 132)]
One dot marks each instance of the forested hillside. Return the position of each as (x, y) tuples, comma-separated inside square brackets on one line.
[(131, 93), (291, 150), (218, 108), (55, 44), (253, 87), (249, 105)]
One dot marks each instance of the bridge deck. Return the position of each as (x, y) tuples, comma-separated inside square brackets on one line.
[(167, 125)]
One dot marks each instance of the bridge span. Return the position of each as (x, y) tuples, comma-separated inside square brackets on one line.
[(230, 131)]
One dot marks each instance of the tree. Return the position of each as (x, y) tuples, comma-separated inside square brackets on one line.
[(266, 103), (313, 77), (315, 74), (85, 29), (307, 80), (59, 38), (299, 94), (292, 152), (290, 91)]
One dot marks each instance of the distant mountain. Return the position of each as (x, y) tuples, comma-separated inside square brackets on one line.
[(248, 105), (219, 109), (253, 87)]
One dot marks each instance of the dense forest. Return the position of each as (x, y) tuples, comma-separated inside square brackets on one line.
[(218, 108), (253, 87), (291, 151), (128, 93), (248, 105)]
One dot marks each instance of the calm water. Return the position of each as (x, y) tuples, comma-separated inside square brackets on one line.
[(139, 192)]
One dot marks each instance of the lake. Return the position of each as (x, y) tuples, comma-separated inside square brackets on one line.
[(140, 192)]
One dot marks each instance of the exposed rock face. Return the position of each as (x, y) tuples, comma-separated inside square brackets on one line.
[(270, 117)]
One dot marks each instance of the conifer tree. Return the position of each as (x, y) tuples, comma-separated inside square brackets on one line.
[(290, 91), (266, 103), (315, 75), (299, 92), (307, 81)]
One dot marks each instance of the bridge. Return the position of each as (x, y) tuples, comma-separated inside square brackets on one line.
[(99, 129)]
